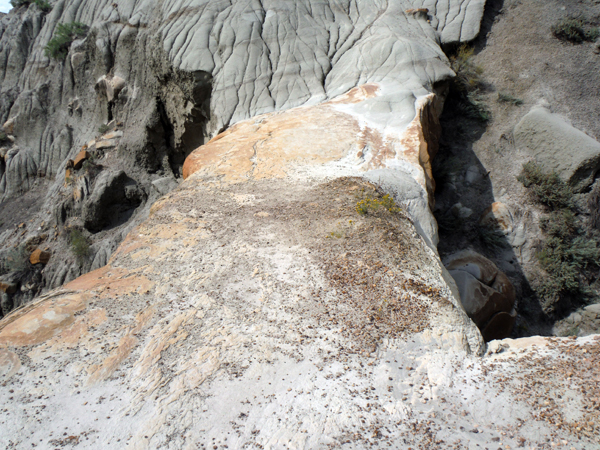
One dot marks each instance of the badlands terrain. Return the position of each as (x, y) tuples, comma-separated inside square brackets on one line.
[(298, 224)]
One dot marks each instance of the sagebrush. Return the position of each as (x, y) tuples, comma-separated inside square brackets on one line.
[(468, 85), (44, 5), (574, 30), (80, 245), (64, 34)]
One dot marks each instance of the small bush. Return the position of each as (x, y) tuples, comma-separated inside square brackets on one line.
[(468, 84), (65, 33), (574, 30), (103, 128), (548, 188), (507, 98), (3, 137), (79, 244), (368, 204), (44, 5)]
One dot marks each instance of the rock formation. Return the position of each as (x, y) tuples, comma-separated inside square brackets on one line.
[(269, 165)]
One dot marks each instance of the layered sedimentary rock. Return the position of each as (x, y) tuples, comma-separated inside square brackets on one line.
[(172, 75), (286, 294)]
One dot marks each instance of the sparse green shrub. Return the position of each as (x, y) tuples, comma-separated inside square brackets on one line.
[(549, 189), (566, 253), (44, 5), (574, 30), (79, 244), (103, 128), (368, 204), (64, 34), (3, 137), (468, 84), (507, 98)]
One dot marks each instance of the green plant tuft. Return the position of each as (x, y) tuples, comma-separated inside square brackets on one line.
[(64, 34), (507, 98), (549, 189), (367, 205), (468, 84), (103, 128), (79, 244), (574, 30)]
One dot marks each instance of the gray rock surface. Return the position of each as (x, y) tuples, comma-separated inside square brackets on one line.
[(559, 147), (170, 76)]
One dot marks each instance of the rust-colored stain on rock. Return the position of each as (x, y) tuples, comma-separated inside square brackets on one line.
[(43, 321)]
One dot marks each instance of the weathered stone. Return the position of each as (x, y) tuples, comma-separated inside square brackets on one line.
[(82, 156), (164, 185), (112, 135), (497, 216), (595, 309), (8, 287), (107, 143), (484, 291), (499, 326), (559, 147), (39, 257)]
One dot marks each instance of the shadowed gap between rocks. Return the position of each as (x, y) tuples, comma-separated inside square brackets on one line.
[(457, 170)]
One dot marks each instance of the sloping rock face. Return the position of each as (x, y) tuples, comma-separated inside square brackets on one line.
[(171, 76), (559, 147)]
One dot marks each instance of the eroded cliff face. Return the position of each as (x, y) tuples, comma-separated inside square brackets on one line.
[(167, 77)]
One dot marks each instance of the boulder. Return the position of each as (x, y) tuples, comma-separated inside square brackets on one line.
[(497, 216), (114, 198), (8, 287), (39, 257), (486, 293), (559, 147), (82, 156)]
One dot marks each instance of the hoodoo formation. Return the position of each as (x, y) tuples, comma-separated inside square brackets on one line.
[(276, 224)]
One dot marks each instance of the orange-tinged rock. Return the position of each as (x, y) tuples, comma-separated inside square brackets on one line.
[(39, 257), (497, 216), (8, 288), (80, 158), (9, 364), (38, 323), (276, 145)]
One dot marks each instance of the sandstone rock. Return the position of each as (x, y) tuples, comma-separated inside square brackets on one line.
[(9, 126), (110, 86), (112, 135), (559, 147), (107, 143), (39, 257), (485, 292), (497, 216), (499, 326), (8, 287), (82, 156), (594, 309)]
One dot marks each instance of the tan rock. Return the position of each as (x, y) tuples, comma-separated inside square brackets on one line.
[(7, 287), (485, 292), (82, 156), (106, 143), (9, 126), (112, 135), (274, 145), (39, 257), (497, 216)]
